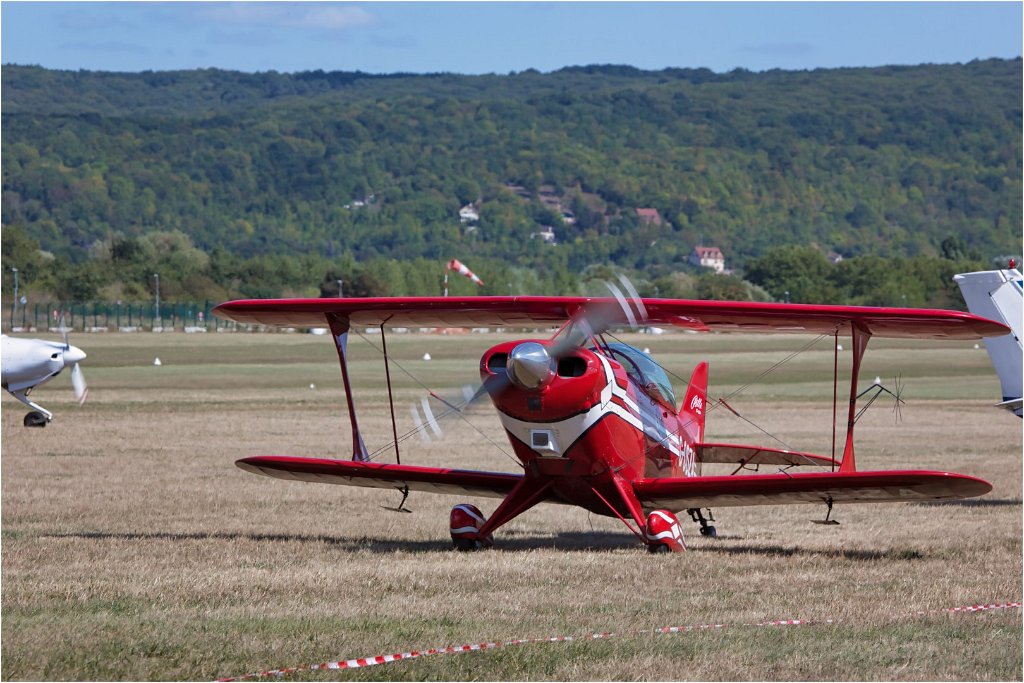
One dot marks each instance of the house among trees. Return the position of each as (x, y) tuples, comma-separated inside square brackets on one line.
[(547, 233), (468, 214), (708, 257), (649, 216)]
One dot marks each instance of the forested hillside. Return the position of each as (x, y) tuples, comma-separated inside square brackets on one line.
[(261, 183)]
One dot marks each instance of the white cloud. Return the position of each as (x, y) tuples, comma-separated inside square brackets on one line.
[(290, 15), (405, 41), (792, 49), (335, 18), (114, 46), (239, 13), (88, 21)]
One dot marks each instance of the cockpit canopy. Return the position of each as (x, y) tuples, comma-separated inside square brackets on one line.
[(642, 369)]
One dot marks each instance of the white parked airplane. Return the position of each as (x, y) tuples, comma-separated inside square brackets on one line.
[(27, 363), (998, 295)]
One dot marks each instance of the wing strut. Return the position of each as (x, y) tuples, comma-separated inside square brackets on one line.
[(860, 344), (391, 400), (339, 330), (835, 393)]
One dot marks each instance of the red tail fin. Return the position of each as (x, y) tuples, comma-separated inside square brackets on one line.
[(694, 407)]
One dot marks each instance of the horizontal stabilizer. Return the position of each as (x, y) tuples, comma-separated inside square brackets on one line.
[(814, 487), (756, 455), (382, 475)]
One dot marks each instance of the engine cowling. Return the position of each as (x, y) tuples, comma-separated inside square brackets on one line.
[(563, 387)]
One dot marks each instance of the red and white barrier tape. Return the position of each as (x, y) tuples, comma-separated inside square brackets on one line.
[(362, 662)]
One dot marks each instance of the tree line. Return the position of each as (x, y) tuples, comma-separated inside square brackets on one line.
[(234, 184), (125, 270)]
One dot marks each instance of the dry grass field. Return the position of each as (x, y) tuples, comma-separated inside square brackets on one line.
[(133, 548)]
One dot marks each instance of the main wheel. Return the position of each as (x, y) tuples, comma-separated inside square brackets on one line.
[(658, 548), (708, 531), (466, 544), (464, 523), (663, 532), (35, 419)]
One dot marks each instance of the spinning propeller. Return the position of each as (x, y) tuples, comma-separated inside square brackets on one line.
[(78, 383), (72, 356), (531, 364)]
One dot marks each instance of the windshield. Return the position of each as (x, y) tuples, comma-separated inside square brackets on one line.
[(644, 371)]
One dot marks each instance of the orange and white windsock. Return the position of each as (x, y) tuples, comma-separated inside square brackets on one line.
[(457, 265)]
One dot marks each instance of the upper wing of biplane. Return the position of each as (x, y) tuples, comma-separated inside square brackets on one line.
[(534, 311), (816, 487)]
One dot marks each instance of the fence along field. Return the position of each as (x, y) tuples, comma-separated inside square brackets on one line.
[(134, 549), (103, 316)]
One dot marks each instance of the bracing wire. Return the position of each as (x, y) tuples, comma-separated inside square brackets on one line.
[(879, 390), (778, 364), (459, 408), (450, 408), (724, 401)]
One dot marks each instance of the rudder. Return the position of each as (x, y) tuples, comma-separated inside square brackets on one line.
[(996, 294), (694, 407)]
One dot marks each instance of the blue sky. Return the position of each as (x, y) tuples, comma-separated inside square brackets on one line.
[(474, 38)]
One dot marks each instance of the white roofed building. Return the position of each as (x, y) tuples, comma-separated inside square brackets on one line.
[(708, 257)]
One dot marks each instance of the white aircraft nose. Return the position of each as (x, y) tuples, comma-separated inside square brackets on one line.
[(73, 355)]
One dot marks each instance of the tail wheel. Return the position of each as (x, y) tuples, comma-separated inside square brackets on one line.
[(663, 533), (464, 523)]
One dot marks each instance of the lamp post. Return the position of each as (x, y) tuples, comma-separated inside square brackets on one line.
[(156, 309), (14, 305)]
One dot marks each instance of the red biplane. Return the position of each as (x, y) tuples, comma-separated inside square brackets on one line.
[(596, 424)]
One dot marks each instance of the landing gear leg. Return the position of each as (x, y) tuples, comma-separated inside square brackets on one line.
[(35, 419), (705, 528), (39, 417), (828, 515), (659, 531), (470, 530)]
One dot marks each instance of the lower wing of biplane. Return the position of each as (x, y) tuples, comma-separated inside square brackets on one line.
[(648, 502), (675, 494)]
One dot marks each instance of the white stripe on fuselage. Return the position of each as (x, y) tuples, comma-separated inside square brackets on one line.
[(649, 412)]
